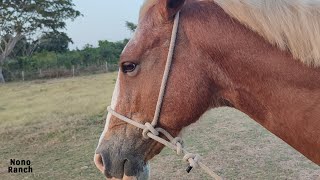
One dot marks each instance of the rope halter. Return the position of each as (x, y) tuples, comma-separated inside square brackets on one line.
[(150, 130)]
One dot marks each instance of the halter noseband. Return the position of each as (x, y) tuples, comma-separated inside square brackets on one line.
[(149, 130)]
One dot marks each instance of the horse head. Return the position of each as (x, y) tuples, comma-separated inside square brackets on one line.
[(123, 151)]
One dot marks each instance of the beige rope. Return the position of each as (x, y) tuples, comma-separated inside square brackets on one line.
[(175, 144), (149, 130), (167, 69)]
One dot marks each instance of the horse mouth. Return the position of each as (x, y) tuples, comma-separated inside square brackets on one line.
[(126, 170)]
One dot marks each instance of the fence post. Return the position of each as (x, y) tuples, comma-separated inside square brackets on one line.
[(40, 73), (22, 74), (72, 70), (107, 69)]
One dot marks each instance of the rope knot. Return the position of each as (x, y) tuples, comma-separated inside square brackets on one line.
[(149, 128), (193, 159), (179, 143)]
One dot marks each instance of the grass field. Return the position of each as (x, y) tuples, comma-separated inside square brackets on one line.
[(56, 124)]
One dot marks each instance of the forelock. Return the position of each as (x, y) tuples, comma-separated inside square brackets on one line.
[(146, 6)]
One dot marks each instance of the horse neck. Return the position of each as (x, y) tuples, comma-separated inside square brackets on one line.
[(277, 91), (281, 95)]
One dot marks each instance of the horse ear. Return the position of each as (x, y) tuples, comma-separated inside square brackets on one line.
[(173, 7)]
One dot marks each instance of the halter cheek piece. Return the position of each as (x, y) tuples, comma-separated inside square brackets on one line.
[(149, 130)]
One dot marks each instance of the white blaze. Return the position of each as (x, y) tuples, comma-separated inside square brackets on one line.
[(114, 102), (145, 174)]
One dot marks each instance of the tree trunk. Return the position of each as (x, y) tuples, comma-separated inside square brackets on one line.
[(5, 52), (2, 81)]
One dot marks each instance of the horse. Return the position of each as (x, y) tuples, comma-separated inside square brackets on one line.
[(260, 57)]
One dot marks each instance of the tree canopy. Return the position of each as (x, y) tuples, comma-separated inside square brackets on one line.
[(54, 41), (28, 18), (131, 26)]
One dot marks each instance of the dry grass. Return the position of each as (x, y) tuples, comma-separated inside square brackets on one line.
[(236, 147), (38, 100), (56, 124)]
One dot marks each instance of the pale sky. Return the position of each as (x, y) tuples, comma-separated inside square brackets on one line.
[(102, 20)]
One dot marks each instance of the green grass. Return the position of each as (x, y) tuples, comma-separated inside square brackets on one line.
[(56, 124)]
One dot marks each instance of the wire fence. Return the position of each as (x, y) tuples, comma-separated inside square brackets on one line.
[(23, 75)]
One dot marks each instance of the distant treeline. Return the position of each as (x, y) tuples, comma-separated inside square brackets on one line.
[(54, 56), (33, 44)]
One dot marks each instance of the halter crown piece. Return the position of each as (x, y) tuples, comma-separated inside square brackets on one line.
[(150, 130)]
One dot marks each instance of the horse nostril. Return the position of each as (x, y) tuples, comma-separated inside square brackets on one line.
[(98, 162)]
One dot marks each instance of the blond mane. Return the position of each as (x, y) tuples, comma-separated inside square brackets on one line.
[(292, 25)]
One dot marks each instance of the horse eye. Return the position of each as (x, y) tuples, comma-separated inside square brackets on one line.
[(128, 67)]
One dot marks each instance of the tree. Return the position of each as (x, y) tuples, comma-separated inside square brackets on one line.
[(24, 48), (110, 51), (54, 41), (20, 48), (131, 26), (90, 55), (25, 18)]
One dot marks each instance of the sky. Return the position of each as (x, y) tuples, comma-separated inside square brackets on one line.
[(102, 20)]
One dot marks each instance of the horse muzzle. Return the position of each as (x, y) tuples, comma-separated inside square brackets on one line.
[(120, 160), (127, 169)]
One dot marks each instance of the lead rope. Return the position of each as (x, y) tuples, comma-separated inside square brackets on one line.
[(149, 130), (173, 143)]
